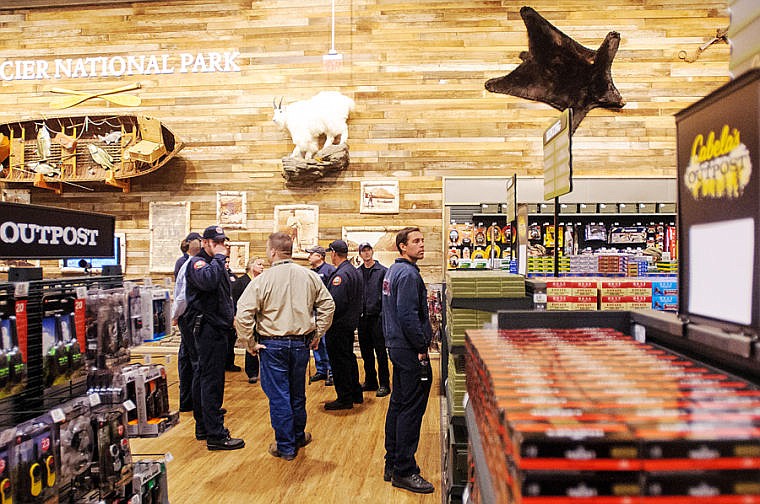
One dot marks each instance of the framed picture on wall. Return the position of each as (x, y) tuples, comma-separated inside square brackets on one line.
[(379, 197), (231, 209), (169, 223), (301, 222), (382, 239), (238, 256)]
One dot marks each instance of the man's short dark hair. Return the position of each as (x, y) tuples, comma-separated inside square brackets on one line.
[(281, 242), (184, 246), (403, 236)]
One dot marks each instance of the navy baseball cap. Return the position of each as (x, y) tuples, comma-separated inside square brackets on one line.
[(193, 236), (364, 245), (214, 233), (338, 246)]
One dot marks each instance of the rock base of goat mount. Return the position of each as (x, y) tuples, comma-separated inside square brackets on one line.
[(299, 171)]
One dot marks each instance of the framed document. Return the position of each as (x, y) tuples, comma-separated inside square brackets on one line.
[(169, 223)]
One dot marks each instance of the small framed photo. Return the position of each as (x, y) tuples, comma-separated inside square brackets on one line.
[(238, 256), (379, 197), (231, 209), (301, 222)]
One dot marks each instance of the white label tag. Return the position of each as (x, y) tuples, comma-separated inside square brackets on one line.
[(639, 333), (7, 436), (81, 292), (168, 457), (129, 405), (539, 297), (57, 415), (94, 400), (465, 400), (21, 289)]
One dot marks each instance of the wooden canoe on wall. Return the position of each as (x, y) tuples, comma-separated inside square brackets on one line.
[(111, 149)]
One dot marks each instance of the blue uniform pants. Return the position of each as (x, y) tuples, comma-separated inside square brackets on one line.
[(321, 360), (345, 369), (208, 382), (185, 368), (283, 380), (405, 411), (371, 342)]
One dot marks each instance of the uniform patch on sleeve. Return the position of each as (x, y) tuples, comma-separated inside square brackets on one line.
[(199, 264), (337, 281)]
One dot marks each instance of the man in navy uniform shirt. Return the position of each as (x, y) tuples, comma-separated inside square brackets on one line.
[(321, 359), (407, 336), (209, 317), (345, 286)]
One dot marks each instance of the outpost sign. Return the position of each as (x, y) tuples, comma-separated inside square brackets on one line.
[(118, 66), (37, 232)]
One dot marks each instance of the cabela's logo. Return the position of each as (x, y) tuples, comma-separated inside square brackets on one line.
[(718, 167)]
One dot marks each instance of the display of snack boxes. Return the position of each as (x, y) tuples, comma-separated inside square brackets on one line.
[(590, 413)]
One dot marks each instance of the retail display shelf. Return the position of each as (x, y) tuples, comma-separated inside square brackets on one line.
[(482, 472)]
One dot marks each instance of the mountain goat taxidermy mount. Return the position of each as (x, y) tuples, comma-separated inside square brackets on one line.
[(323, 114)]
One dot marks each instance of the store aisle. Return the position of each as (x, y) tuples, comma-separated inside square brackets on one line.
[(344, 463)]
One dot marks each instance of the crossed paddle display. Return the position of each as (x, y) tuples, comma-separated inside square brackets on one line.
[(110, 95)]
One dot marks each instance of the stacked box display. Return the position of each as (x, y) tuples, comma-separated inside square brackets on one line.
[(590, 413)]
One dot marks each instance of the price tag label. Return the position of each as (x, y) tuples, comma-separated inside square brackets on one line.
[(94, 399), (168, 457), (539, 297), (21, 289), (81, 292), (639, 333), (57, 415), (7, 436), (129, 405)]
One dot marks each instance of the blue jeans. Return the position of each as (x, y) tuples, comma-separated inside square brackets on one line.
[(321, 359), (283, 380)]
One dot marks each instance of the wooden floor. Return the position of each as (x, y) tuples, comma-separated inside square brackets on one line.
[(344, 463)]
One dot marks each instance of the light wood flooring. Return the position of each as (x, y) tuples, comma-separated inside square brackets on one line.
[(344, 463)]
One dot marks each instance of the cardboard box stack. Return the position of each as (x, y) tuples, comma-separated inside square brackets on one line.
[(590, 415)]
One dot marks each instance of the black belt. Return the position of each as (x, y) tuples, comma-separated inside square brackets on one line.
[(292, 337)]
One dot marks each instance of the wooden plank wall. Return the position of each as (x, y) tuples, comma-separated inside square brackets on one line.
[(416, 71)]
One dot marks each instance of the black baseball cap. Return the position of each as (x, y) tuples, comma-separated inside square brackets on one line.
[(316, 250), (338, 246), (193, 236), (214, 233), (364, 245)]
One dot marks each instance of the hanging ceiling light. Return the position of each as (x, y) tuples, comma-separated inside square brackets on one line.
[(333, 60)]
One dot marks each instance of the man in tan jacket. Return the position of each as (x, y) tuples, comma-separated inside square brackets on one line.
[(276, 314)]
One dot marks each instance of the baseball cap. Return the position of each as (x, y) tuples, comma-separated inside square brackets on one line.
[(364, 245), (338, 246), (193, 236), (316, 250), (214, 233)]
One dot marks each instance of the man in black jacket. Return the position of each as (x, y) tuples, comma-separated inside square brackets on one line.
[(371, 339), (254, 268), (209, 318), (345, 286)]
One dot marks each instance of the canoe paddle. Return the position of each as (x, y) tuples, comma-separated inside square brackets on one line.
[(110, 95)]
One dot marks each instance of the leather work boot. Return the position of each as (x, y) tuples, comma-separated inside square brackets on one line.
[(227, 443), (413, 483), (273, 451), (383, 391)]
